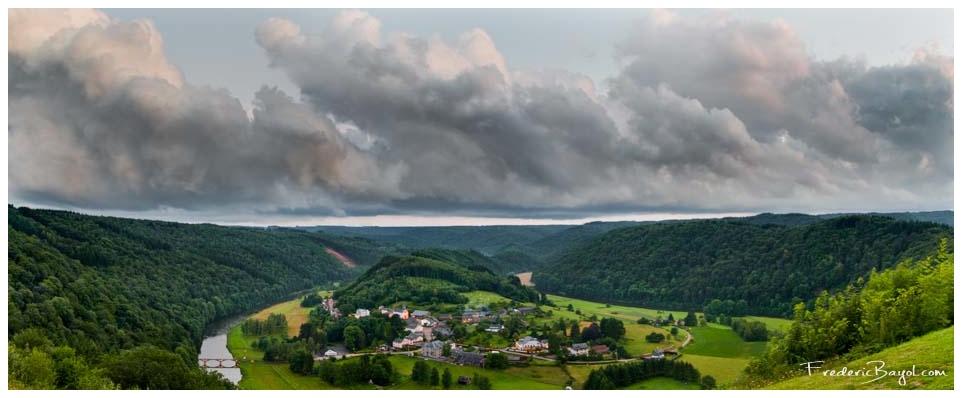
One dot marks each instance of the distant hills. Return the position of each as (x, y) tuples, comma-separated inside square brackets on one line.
[(520, 248), (769, 261)]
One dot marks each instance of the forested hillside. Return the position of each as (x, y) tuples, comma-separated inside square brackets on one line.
[(684, 265), (103, 285), (889, 308), (427, 278)]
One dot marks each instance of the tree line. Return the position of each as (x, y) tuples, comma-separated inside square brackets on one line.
[(625, 374), (766, 269)]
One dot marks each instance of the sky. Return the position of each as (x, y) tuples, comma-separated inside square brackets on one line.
[(493, 116)]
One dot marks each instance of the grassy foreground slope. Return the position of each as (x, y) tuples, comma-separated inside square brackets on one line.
[(932, 352)]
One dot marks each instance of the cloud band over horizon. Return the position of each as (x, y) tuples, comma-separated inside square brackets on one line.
[(709, 113)]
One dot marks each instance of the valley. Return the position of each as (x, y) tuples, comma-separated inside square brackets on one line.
[(728, 303)]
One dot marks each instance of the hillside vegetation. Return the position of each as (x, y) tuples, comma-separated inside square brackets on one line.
[(685, 265), (932, 352), (891, 307), (428, 277), (97, 288)]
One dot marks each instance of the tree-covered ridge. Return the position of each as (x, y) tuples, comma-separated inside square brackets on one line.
[(685, 265), (486, 239), (101, 285), (890, 308), (428, 277)]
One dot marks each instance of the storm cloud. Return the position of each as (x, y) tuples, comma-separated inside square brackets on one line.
[(709, 113)]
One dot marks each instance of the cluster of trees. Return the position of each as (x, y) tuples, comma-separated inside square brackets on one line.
[(622, 375), (281, 350), (358, 334), (717, 309), (750, 330), (892, 307), (655, 337), (312, 300), (102, 285), (423, 279), (36, 364), (375, 369), (427, 375), (274, 324), (768, 267)]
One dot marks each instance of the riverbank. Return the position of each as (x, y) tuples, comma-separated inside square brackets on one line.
[(260, 375)]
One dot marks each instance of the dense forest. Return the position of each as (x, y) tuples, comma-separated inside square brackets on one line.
[(96, 288), (884, 310), (685, 265), (428, 277)]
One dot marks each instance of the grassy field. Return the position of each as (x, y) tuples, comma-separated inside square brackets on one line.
[(260, 375), (933, 351), (580, 373), (514, 378), (662, 383), (724, 370), (626, 314), (296, 315), (635, 338), (771, 323), (479, 298), (720, 341)]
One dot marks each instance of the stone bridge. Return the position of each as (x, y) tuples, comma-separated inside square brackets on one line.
[(217, 363)]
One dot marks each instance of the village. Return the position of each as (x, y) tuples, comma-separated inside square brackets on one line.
[(432, 336)]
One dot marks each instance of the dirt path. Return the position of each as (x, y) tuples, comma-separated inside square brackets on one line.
[(340, 257), (525, 278)]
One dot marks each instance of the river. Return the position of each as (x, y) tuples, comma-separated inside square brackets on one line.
[(215, 347)]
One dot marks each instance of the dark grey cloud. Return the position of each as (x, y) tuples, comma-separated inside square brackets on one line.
[(99, 118), (710, 113)]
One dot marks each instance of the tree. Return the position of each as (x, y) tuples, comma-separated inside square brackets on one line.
[(575, 332), (655, 337), (554, 343), (301, 362), (446, 350), (674, 331), (592, 332), (435, 377), (708, 383), (354, 338), (691, 319), (482, 382), (420, 372), (671, 318), (496, 361), (446, 379), (613, 328)]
